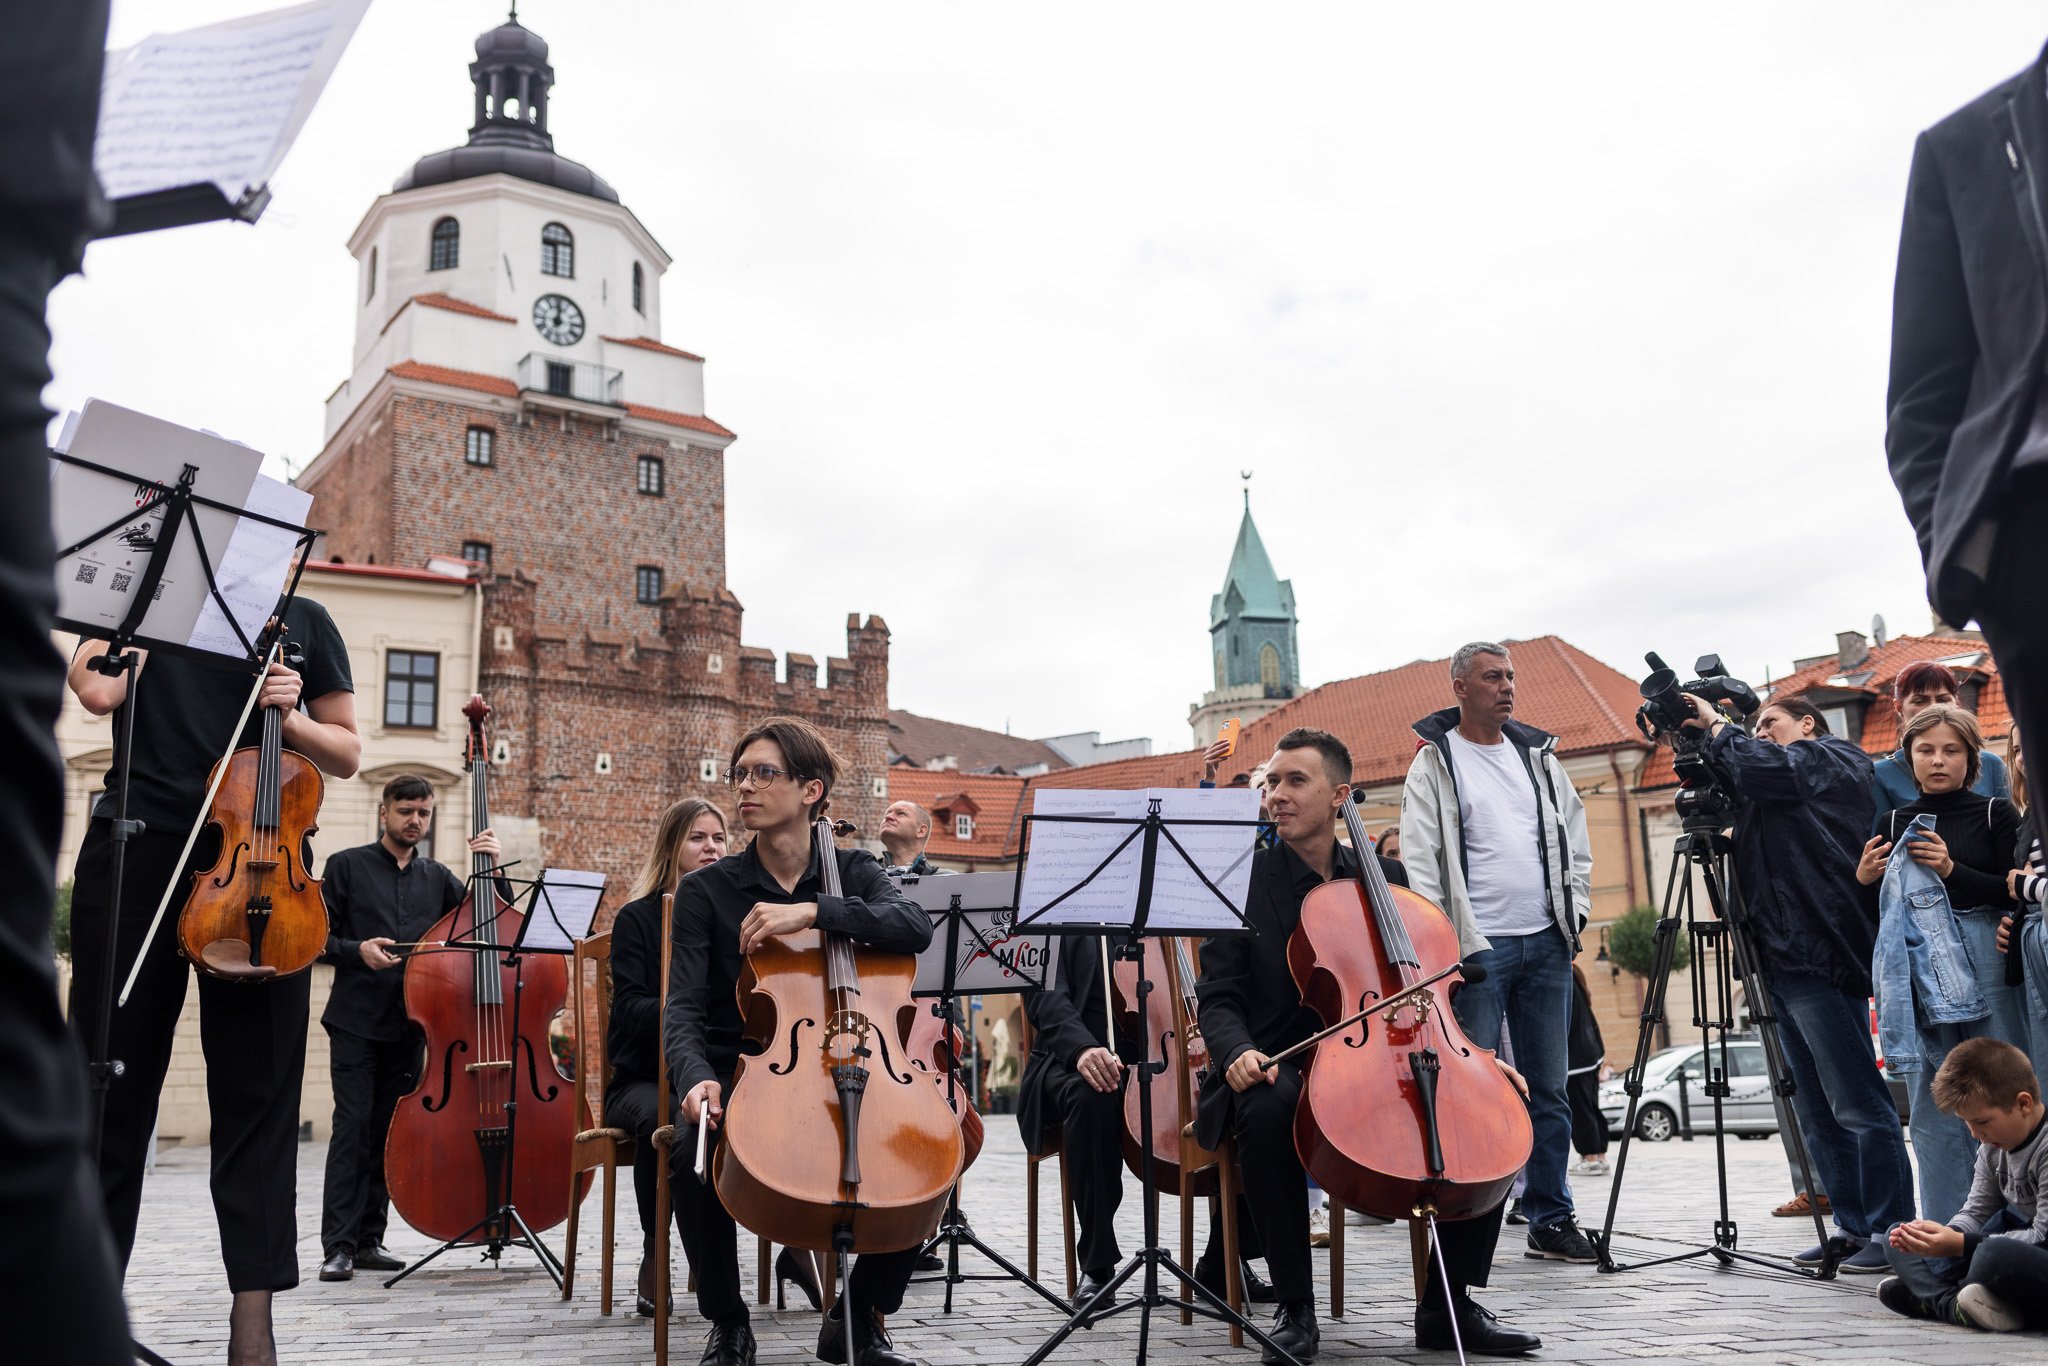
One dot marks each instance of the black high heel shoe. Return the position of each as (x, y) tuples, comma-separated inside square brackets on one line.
[(791, 1265)]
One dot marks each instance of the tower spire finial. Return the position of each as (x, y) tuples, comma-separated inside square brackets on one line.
[(514, 16), (1246, 475)]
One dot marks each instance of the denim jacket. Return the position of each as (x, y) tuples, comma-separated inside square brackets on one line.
[(1919, 961)]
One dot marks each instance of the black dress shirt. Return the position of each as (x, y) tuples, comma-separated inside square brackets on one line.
[(369, 896), (634, 1042), (703, 1039)]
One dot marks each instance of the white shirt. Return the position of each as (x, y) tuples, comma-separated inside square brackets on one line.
[(1497, 814)]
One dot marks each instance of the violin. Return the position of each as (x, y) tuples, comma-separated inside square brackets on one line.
[(931, 1047), (452, 1141), (1401, 1115), (826, 1052), (1171, 1031), (257, 913)]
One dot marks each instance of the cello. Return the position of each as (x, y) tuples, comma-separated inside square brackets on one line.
[(937, 1049), (826, 1024), (1172, 1031), (489, 1102), (1401, 1115), (257, 913)]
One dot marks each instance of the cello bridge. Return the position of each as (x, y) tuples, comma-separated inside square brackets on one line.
[(487, 1066), (1410, 1010)]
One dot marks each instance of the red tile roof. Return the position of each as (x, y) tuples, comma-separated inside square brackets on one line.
[(1589, 706), (917, 740), (650, 344), (455, 305), (1873, 678), (999, 802), (458, 379), (694, 422)]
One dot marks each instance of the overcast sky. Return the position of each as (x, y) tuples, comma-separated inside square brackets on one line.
[(1565, 319)]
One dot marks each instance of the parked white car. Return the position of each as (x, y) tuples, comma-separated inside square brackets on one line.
[(1674, 1084)]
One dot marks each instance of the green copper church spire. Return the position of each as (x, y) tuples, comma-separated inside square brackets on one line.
[(1252, 621)]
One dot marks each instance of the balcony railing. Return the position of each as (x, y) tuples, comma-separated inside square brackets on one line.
[(541, 373)]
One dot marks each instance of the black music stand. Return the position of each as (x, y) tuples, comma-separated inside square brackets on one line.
[(569, 912), (1150, 830), (946, 955)]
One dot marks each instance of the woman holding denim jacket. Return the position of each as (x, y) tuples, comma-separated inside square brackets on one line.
[(1949, 973)]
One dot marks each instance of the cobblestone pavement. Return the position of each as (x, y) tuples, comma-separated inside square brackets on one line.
[(459, 1310)]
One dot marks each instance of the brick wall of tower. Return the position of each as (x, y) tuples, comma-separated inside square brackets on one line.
[(559, 504)]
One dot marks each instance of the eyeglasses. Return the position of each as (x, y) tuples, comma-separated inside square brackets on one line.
[(762, 774)]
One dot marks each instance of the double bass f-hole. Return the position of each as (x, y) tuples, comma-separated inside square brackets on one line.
[(433, 1103)]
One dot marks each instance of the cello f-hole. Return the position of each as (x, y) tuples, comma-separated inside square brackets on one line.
[(902, 1078), (783, 1069), (447, 1076), (1365, 998)]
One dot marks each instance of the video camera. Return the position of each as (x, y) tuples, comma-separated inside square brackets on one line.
[(1707, 792)]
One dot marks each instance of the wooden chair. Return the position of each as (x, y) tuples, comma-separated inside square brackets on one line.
[(597, 1144), (1054, 1144), (1233, 1274)]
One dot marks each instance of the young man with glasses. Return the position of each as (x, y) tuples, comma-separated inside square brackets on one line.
[(782, 774)]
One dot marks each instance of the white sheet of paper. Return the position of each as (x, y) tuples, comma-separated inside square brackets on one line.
[(95, 584), (1062, 854), (254, 570), (564, 904), (220, 104)]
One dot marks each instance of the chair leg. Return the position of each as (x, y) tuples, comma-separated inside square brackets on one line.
[(569, 1236), (1233, 1263), (1336, 1257), (1187, 1237), (1418, 1255), (1067, 1224), (1031, 1216), (604, 1250), (762, 1248), (664, 1216)]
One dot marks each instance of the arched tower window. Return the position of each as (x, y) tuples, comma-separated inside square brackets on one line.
[(639, 289), (370, 278), (557, 251), (446, 251), (1269, 666)]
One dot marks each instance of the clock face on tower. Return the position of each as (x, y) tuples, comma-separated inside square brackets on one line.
[(558, 319)]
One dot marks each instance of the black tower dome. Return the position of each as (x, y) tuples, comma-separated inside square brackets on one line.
[(512, 76)]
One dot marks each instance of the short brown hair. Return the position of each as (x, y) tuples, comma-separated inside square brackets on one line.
[(1336, 758), (407, 787), (1796, 707), (1956, 719), (1984, 1072), (807, 752)]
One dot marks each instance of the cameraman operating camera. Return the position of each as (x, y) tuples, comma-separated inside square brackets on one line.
[(1803, 808)]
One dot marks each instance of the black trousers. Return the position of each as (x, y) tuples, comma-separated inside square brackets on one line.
[(711, 1241), (254, 1039), (370, 1077), (1589, 1127), (630, 1106), (2014, 615), (59, 1266), (1275, 1186), (1092, 1126)]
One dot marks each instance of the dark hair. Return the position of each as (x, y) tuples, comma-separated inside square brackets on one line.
[(1984, 1071), (1956, 719), (807, 752), (1796, 707), (1925, 676), (407, 787), (1336, 758)]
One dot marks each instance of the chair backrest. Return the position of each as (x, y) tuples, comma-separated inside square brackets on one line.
[(590, 978), (661, 1095)]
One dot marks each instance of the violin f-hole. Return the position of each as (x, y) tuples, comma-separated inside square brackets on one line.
[(285, 860), (234, 865)]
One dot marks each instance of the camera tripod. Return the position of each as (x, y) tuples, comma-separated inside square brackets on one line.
[(1721, 950)]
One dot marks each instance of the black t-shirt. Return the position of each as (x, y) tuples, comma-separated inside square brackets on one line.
[(186, 706)]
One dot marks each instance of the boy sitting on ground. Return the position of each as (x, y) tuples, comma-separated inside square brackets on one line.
[(1988, 1266)]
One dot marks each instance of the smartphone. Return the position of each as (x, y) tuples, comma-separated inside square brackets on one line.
[(1227, 732)]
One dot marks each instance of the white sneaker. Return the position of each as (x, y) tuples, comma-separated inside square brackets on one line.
[(1590, 1166), (1319, 1227), (1984, 1309)]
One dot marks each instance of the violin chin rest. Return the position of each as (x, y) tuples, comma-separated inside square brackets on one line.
[(230, 958)]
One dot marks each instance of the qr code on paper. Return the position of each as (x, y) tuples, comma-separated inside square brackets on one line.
[(119, 583), (87, 573)]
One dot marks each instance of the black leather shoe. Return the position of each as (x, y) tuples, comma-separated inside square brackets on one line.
[(1256, 1290), (1483, 1334), (1092, 1285), (1294, 1329), (377, 1257), (730, 1343), (871, 1345), (929, 1262), (340, 1267), (792, 1266)]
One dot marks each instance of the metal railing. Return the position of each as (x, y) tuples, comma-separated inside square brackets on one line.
[(541, 373)]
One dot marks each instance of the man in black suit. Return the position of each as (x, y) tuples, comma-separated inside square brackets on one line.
[(1967, 413), (1251, 1009)]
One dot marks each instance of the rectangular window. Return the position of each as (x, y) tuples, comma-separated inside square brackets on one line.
[(647, 584), (477, 451), (412, 681), (963, 827), (561, 379), (477, 552), (649, 475)]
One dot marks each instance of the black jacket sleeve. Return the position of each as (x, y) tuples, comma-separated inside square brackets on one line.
[(335, 888), (1222, 996), (635, 1041), (689, 970), (873, 910), (1986, 886), (1058, 1027)]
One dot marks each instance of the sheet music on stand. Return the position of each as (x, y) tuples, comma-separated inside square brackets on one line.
[(561, 906), (194, 124), (990, 957), (1082, 866)]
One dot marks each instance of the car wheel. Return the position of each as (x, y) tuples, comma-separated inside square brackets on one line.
[(1655, 1124)]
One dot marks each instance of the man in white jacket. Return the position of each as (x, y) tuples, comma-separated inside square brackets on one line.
[(1494, 833)]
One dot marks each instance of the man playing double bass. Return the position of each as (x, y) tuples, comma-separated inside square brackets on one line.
[(1251, 1009), (782, 773)]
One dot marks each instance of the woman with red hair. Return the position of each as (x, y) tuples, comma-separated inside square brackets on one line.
[(1918, 687)]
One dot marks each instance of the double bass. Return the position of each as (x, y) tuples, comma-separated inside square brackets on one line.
[(257, 913), (1172, 1031), (489, 1086), (1401, 1115), (826, 1025)]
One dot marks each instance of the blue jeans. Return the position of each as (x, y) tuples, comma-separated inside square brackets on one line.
[(1946, 1152), (1845, 1113), (1529, 982), (1937, 1279), (2034, 949)]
